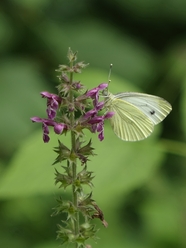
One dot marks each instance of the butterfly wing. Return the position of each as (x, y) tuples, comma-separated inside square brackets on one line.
[(156, 108), (129, 123)]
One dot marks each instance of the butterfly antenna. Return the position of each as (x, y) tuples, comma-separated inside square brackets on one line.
[(105, 91), (109, 76)]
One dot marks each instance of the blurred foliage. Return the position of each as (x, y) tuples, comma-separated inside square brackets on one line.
[(139, 186)]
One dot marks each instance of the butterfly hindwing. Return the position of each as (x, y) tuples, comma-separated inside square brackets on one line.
[(128, 122)]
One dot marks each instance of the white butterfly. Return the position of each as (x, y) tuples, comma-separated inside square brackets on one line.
[(135, 114)]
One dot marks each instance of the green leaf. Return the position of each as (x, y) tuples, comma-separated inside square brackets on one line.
[(120, 165), (20, 88)]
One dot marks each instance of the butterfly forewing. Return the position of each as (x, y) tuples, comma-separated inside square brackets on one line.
[(156, 108), (136, 114)]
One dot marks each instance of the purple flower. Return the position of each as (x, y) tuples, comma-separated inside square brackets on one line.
[(97, 122), (94, 93), (58, 127), (91, 118), (91, 113), (100, 105), (53, 102), (77, 85)]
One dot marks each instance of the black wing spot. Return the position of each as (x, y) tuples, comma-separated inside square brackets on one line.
[(152, 112)]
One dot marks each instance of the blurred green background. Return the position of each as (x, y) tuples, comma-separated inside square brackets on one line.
[(141, 186)]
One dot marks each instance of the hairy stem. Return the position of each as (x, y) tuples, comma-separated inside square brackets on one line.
[(74, 164)]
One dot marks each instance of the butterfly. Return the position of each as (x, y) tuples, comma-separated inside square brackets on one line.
[(136, 114)]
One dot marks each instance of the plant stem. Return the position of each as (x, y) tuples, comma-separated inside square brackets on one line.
[(74, 164)]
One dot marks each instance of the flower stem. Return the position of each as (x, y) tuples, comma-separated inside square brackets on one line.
[(74, 164)]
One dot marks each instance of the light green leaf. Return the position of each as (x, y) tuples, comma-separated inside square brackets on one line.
[(119, 167), (20, 89)]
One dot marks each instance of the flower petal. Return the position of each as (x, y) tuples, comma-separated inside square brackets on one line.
[(59, 127), (36, 119), (102, 86), (101, 136), (109, 115)]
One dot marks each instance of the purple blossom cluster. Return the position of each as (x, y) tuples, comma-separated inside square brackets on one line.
[(90, 119), (58, 127), (96, 121), (53, 102)]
